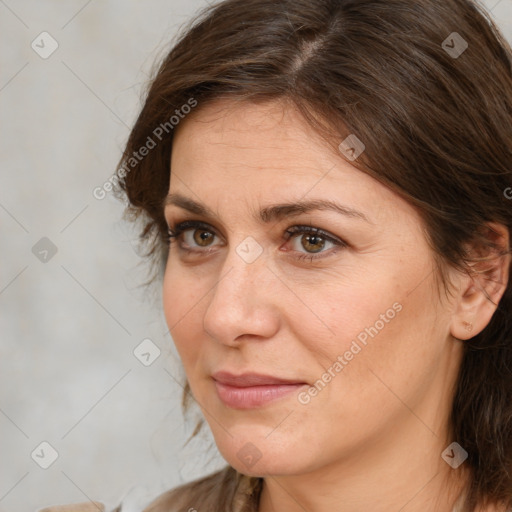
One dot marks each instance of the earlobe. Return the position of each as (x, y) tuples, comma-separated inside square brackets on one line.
[(483, 287), (467, 325)]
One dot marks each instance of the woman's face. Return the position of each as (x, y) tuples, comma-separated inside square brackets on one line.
[(350, 315)]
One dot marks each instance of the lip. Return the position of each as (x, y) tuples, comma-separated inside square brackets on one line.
[(251, 379), (251, 390)]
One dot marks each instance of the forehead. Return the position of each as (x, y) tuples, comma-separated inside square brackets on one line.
[(230, 153), (243, 116), (229, 135)]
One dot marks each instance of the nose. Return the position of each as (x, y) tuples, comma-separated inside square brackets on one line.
[(243, 304)]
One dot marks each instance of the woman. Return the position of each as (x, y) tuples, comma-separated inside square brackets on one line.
[(333, 178)]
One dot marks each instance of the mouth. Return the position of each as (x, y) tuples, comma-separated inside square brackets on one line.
[(251, 390)]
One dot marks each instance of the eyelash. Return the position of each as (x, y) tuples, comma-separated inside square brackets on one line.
[(175, 232)]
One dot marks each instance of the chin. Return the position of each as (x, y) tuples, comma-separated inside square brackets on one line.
[(253, 452)]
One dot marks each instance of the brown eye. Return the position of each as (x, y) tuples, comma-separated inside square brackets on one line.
[(202, 237), (192, 235), (312, 243), (308, 241)]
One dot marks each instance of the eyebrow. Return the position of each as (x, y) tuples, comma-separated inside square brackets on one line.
[(269, 213)]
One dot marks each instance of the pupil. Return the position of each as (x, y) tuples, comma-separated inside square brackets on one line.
[(314, 240), (203, 236)]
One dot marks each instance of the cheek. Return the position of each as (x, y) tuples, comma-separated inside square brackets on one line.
[(346, 310), (389, 322), (181, 305), (390, 343)]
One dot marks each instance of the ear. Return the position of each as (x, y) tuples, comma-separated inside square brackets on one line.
[(482, 288)]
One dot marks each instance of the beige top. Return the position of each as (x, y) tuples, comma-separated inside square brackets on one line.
[(244, 502), (77, 507), (241, 492)]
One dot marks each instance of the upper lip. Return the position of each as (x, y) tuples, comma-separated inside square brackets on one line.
[(251, 379)]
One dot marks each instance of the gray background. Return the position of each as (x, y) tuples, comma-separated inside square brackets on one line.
[(69, 322)]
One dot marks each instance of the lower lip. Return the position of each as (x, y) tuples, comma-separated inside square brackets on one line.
[(253, 396)]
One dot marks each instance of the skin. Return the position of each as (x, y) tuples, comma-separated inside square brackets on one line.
[(372, 438)]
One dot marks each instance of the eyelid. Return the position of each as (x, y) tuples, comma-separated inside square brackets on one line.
[(180, 227), (304, 228), (177, 229)]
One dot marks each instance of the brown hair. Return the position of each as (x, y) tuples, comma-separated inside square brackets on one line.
[(436, 120)]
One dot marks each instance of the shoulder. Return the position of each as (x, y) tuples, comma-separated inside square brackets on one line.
[(90, 506), (211, 492), (186, 495), (225, 490)]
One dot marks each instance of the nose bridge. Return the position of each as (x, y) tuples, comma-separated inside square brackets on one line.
[(241, 300), (242, 275)]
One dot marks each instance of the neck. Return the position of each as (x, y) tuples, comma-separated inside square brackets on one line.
[(404, 473)]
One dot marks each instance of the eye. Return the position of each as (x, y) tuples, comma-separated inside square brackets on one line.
[(314, 241), (195, 235), (192, 233)]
